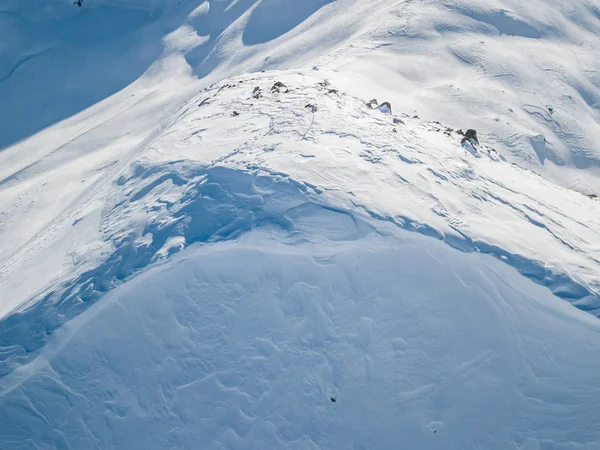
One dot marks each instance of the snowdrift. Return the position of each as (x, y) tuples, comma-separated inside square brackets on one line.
[(314, 330), (195, 254), (260, 288)]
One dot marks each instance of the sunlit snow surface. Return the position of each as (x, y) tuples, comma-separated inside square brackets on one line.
[(316, 268), (194, 265)]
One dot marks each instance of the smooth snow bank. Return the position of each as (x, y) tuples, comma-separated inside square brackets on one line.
[(243, 344)]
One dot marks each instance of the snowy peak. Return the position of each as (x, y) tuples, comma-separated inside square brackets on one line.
[(272, 275), (395, 166), (276, 150), (524, 74), (349, 224)]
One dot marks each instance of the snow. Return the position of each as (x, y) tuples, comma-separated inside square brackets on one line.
[(189, 262), (243, 343), (513, 70), (418, 177)]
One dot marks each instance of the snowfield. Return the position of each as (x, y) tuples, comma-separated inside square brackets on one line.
[(213, 239), (244, 343)]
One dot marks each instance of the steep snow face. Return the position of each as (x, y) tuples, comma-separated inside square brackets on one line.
[(284, 266), (317, 329), (57, 59), (185, 264)]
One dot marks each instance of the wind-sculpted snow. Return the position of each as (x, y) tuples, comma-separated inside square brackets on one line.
[(193, 256), (466, 64), (523, 73), (315, 333), (412, 173), (211, 176), (274, 276), (163, 209)]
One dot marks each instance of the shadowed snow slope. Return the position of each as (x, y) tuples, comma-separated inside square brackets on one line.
[(259, 275), (191, 258), (244, 345)]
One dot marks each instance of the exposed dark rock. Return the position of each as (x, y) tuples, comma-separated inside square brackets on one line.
[(235, 114), (471, 136), (385, 107), (397, 121), (372, 103), (278, 87)]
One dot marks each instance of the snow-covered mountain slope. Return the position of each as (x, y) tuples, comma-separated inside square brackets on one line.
[(320, 331), (315, 265), (523, 73), (410, 53), (194, 265)]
